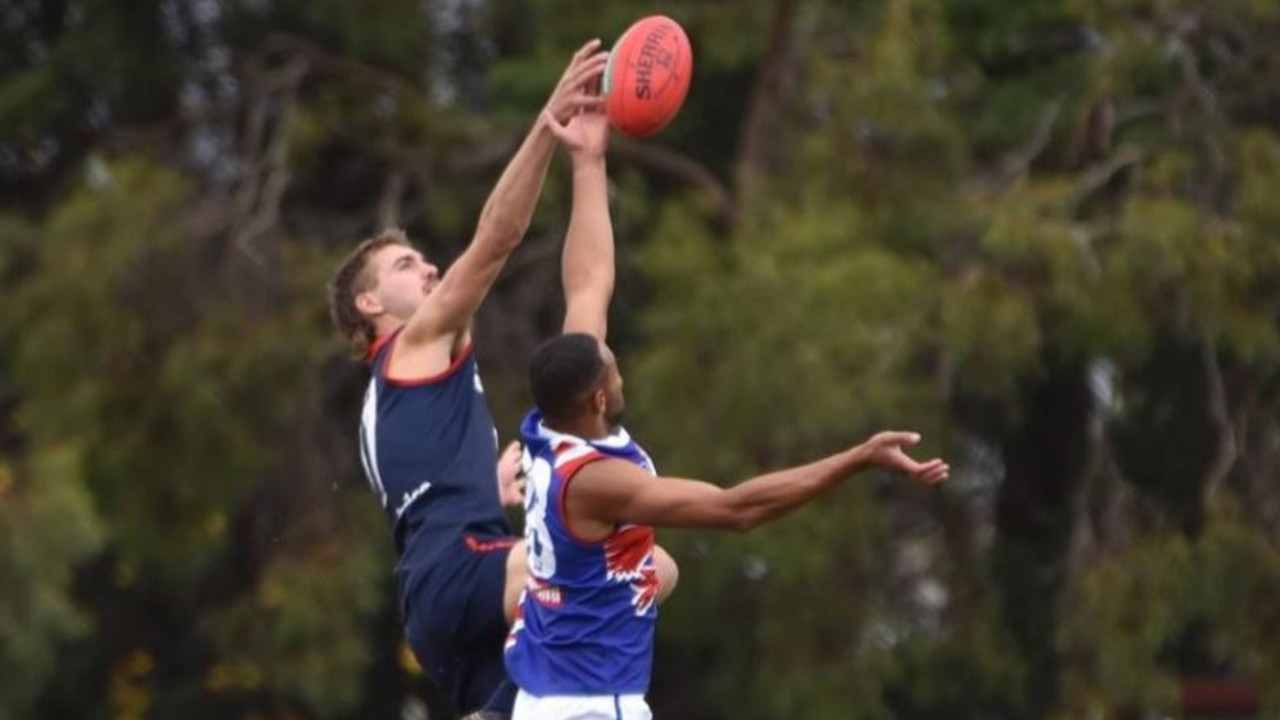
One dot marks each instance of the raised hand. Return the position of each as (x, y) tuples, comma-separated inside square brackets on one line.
[(885, 450), (585, 136), (574, 92)]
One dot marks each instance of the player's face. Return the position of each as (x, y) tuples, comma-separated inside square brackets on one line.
[(402, 279), (615, 404)]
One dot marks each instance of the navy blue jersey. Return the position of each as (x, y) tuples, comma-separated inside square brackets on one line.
[(586, 619), (429, 450)]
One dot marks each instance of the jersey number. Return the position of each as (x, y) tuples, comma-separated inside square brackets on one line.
[(542, 556)]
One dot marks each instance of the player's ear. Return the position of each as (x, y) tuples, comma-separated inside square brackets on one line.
[(367, 304), (599, 401)]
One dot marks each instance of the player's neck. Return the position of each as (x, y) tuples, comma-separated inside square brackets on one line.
[(587, 428), (384, 325)]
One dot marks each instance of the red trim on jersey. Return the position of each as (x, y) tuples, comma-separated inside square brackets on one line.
[(454, 365), (378, 342), (488, 546), (567, 473)]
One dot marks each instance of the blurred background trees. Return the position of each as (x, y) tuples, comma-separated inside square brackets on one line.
[(1043, 232)]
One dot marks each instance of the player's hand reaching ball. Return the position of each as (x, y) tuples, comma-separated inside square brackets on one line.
[(573, 93), (585, 136)]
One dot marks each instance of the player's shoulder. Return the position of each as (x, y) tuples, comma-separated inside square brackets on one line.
[(401, 362), (603, 467)]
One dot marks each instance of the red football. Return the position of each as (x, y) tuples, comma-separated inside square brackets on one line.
[(648, 76)]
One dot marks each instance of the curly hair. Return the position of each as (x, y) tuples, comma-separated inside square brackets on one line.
[(351, 279)]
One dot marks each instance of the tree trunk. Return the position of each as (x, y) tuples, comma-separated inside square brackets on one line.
[(1045, 452)]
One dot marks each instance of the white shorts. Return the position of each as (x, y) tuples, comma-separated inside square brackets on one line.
[(580, 707)]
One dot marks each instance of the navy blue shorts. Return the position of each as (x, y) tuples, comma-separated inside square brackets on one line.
[(455, 625)]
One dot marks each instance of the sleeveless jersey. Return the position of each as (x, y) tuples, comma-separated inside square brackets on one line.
[(587, 615), (429, 450)]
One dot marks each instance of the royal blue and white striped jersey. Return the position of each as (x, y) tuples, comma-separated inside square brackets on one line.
[(588, 612), (429, 449)]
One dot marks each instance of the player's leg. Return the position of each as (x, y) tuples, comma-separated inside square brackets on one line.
[(482, 632), (457, 630), (487, 690), (427, 632)]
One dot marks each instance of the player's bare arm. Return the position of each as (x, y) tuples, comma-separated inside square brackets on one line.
[(441, 324), (587, 263), (613, 491), (511, 479)]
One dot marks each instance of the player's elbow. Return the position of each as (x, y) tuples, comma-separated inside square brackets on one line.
[(500, 233), (743, 512), (744, 519)]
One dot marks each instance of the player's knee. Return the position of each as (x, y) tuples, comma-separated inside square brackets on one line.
[(668, 572)]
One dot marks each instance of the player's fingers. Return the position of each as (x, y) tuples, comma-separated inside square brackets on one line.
[(583, 55), (916, 467), (560, 130), (582, 101), (573, 81), (584, 68), (587, 48), (588, 69), (588, 98), (580, 81), (897, 437), (933, 472)]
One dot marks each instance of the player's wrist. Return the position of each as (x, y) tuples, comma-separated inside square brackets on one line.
[(542, 126), (587, 161), (857, 458)]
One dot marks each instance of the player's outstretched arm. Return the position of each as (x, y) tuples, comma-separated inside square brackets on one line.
[(617, 491), (587, 262), (507, 213)]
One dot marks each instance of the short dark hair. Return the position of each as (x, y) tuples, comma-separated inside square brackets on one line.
[(563, 373)]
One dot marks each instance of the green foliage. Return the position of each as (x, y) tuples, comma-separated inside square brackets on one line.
[(47, 526), (391, 33), (303, 652), (1128, 609), (1234, 587), (1132, 607), (106, 258), (1041, 232)]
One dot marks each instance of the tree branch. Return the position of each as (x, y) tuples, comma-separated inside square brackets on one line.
[(681, 167), (325, 62), (257, 200), (391, 201), (1017, 164), (1094, 177), (770, 94), (1228, 449)]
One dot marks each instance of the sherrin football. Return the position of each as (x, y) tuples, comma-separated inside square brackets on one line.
[(648, 75)]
